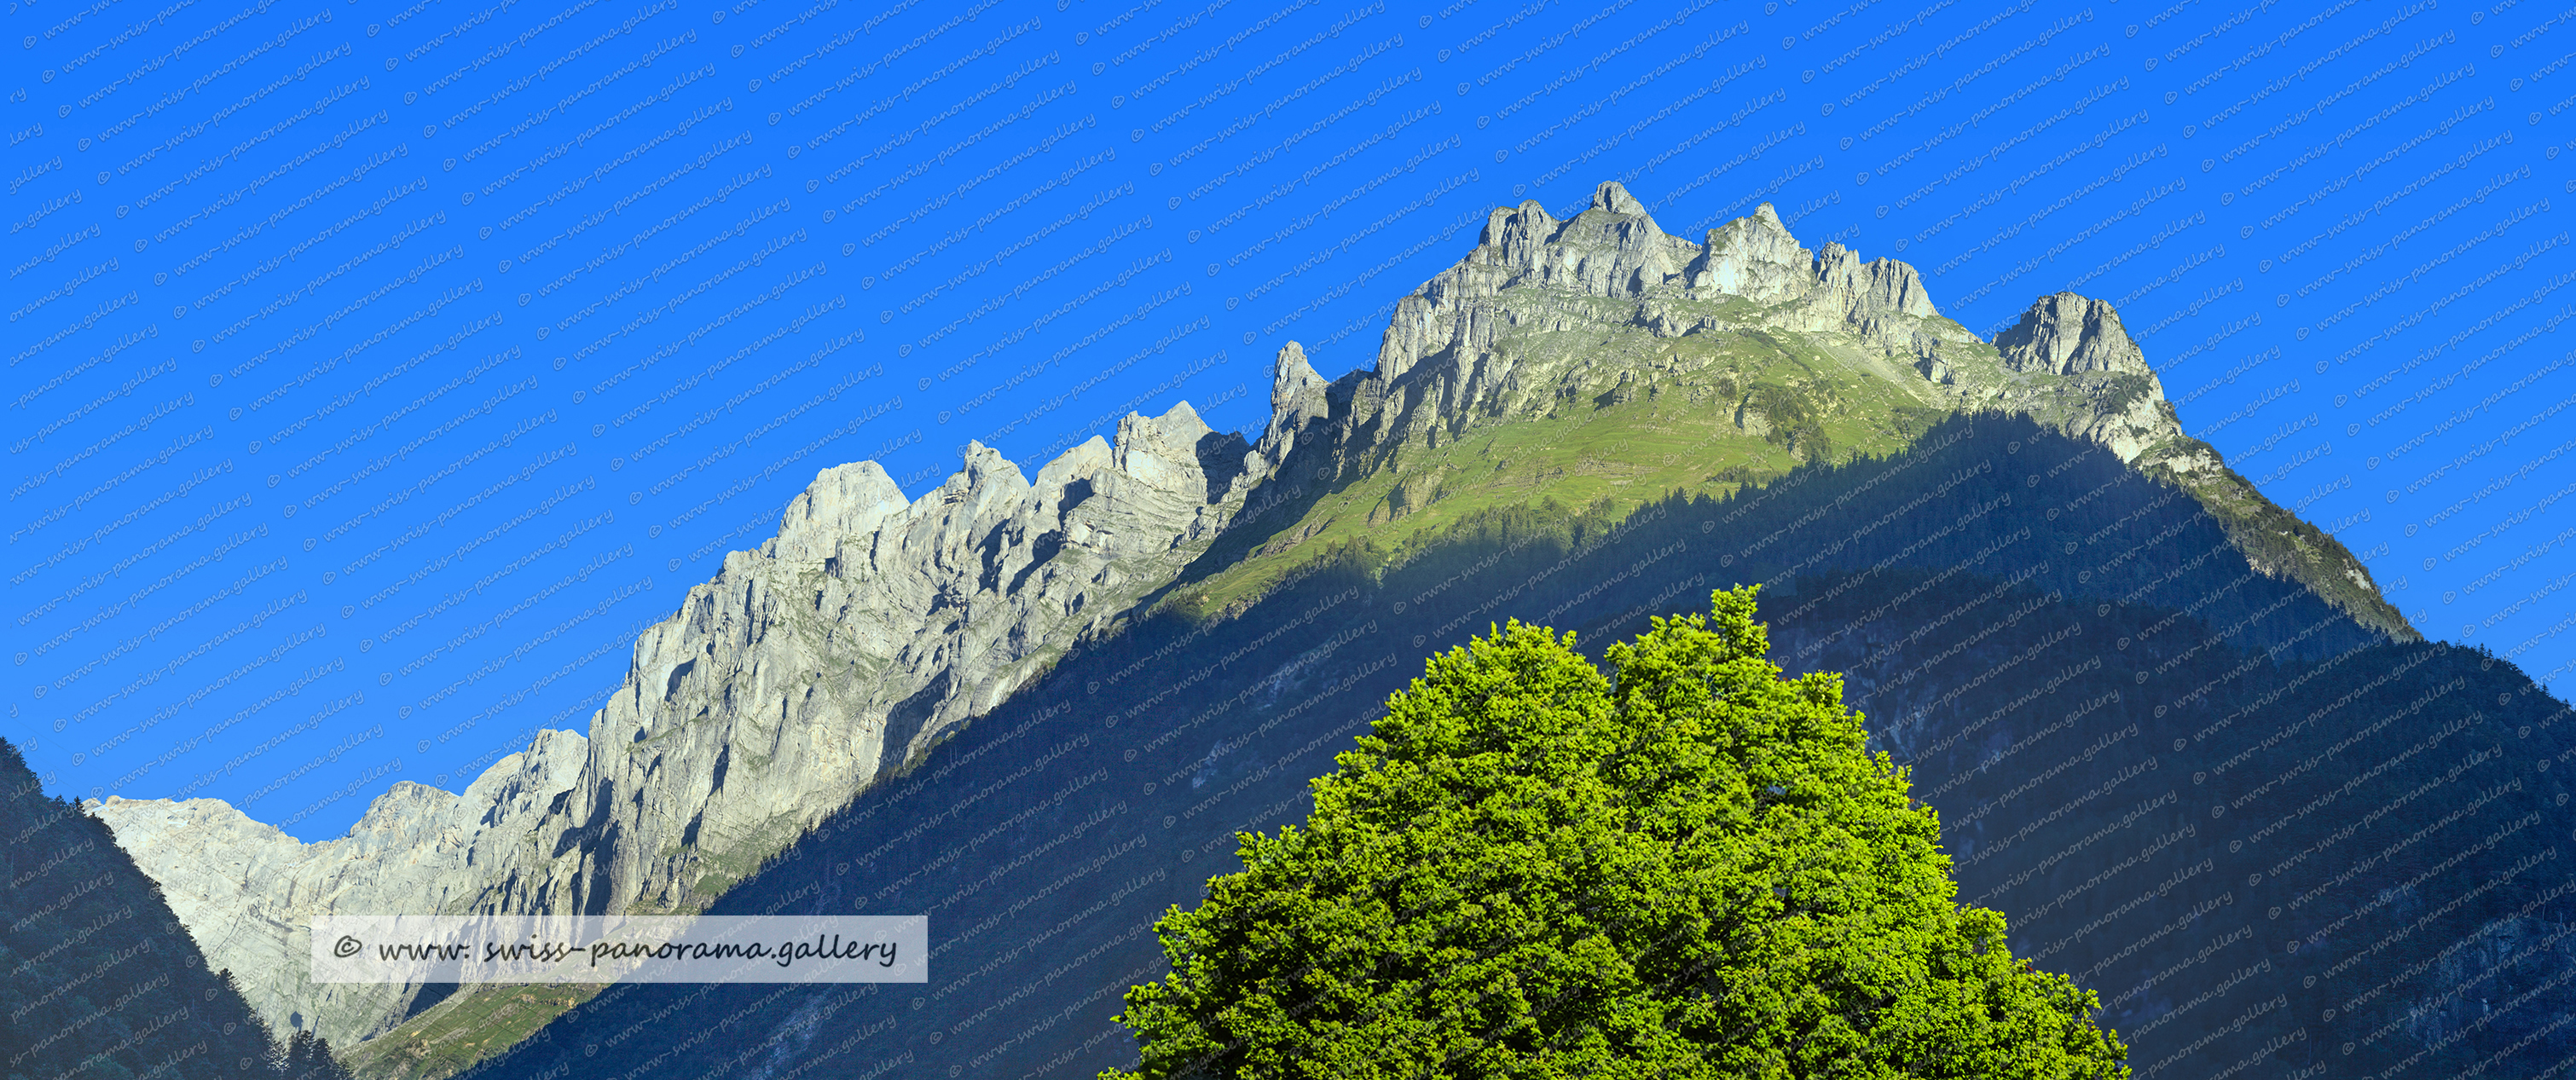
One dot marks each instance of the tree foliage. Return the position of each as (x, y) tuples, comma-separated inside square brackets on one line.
[(1685, 867), (308, 1056), (98, 980)]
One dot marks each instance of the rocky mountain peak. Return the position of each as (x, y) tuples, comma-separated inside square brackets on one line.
[(844, 500), (1297, 397), (986, 467), (1178, 452), (1462, 335), (1613, 248), (2069, 363), (2066, 334), (1879, 286), (1516, 328), (842, 648), (1753, 257), (1613, 197), (1514, 234)]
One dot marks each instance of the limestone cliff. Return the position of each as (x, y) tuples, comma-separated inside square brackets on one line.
[(844, 647)]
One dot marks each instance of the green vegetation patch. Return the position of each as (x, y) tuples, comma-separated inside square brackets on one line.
[(474, 1023), (1707, 413), (1685, 867)]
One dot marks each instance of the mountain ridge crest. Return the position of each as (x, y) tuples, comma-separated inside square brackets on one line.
[(846, 646)]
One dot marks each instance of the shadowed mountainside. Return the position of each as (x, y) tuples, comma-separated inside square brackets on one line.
[(97, 977), (2162, 765)]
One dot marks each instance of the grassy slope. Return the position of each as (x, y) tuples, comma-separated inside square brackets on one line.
[(2277, 540), (1603, 451), (474, 1023)]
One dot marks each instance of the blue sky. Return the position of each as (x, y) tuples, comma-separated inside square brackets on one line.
[(378, 371)]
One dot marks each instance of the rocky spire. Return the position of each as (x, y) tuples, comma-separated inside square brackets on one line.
[(2064, 334), (1876, 287), (1614, 197), (1753, 257), (1613, 248), (844, 500), (1296, 399)]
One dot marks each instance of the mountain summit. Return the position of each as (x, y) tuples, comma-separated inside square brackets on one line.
[(1595, 362), (1806, 355), (2159, 761)]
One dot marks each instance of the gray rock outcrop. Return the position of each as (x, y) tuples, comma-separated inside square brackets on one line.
[(841, 649), (2066, 334), (1457, 350), (1753, 257), (246, 891), (1297, 398), (2091, 379)]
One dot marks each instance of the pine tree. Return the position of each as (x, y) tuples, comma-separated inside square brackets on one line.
[(308, 1057)]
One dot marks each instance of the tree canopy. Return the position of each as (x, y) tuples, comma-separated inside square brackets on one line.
[(1686, 866)]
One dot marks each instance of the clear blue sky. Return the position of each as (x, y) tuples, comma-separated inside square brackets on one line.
[(377, 371)]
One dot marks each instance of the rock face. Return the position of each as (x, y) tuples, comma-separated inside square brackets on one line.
[(847, 645), (873, 625), (1752, 257), (1443, 363), (2065, 334), (2105, 391), (247, 891), (1297, 397)]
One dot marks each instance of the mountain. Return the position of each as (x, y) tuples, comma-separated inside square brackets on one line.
[(2165, 767), (850, 643), (1567, 392), (1815, 354), (100, 978)]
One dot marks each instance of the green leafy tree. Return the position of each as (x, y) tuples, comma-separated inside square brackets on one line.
[(1687, 867)]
